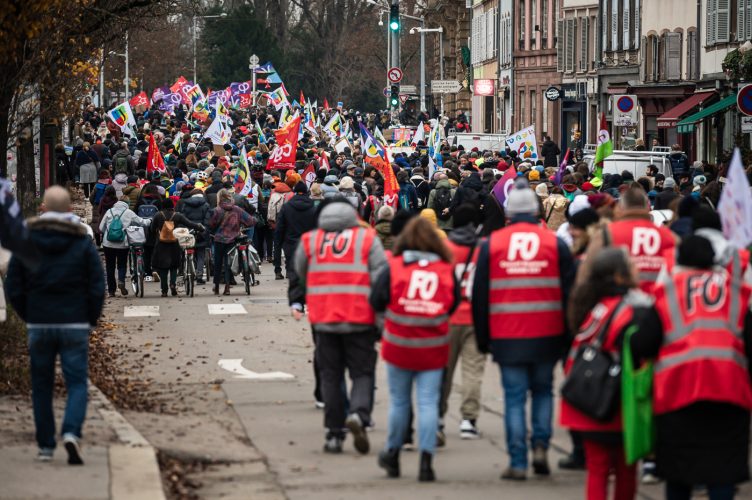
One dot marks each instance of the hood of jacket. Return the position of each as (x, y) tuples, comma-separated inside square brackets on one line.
[(281, 187), (464, 235), (444, 183), (195, 201), (473, 182), (121, 178), (53, 231), (300, 203), (337, 216), (226, 205), (129, 189)]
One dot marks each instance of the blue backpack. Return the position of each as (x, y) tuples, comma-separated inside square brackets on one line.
[(148, 210)]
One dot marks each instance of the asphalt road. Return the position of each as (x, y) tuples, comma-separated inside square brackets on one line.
[(272, 426)]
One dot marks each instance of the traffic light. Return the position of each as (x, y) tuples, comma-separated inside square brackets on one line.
[(394, 96), (394, 18)]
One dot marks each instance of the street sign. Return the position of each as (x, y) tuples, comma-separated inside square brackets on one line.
[(744, 100), (553, 93), (746, 124), (404, 98), (625, 110), (445, 86), (254, 60), (394, 75), (387, 92), (408, 89)]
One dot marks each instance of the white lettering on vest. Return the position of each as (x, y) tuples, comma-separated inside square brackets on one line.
[(523, 245), (645, 241), (423, 283), (706, 292)]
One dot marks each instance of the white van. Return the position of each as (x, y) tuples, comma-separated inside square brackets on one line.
[(491, 142), (635, 162)]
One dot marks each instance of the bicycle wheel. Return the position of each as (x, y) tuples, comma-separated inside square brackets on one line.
[(140, 272), (188, 276), (246, 273), (132, 268), (209, 264)]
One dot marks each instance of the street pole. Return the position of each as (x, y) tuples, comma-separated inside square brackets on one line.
[(422, 65), (441, 64), (127, 75), (194, 51), (101, 82), (253, 60), (394, 36), (388, 55)]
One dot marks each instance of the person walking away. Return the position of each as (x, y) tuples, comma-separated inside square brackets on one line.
[(122, 162), (604, 307), (523, 271), (264, 236), (383, 226), (679, 162), (297, 217), (226, 222), (112, 227), (58, 323), (167, 253), (87, 165), (417, 293), (701, 339), (634, 230), (281, 193), (440, 201), (132, 191), (462, 345), (196, 209), (336, 265), (63, 169), (550, 152), (147, 206), (667, 195)]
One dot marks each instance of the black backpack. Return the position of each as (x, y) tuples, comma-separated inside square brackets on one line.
[(441, 201)]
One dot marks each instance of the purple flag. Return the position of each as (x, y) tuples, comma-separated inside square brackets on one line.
[(237, 88), (562, 168), (159, 93), (504, 184)]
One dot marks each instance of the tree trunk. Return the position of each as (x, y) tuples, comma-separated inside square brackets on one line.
[(26, 185), (6, 98)]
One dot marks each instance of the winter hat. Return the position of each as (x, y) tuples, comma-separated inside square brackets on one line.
[(699, 180), (385, 213), (522, 201), (331, 180), (588, 186), (669, 183), (346, 183), (541, 190), (300, 188), (579, 203), (533, 175), (132, 179), (584, 218)]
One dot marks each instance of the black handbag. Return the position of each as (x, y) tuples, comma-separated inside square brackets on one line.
[(593, 385)]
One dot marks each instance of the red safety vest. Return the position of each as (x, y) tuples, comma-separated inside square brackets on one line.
[(702, 357), (525, 299), (338, 282), (646, 244), (669, 257), (416, 321), (463, 315), (591, 328)]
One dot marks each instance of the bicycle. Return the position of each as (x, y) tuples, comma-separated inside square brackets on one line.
[(187, 240), (249, 261), (136, 239)]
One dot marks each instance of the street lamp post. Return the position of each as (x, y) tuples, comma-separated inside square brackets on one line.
[(253, 60), (127, 75), (423, 30), (195, 28)]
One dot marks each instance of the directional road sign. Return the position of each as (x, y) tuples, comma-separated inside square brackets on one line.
[(394, 75), (408, 89), (445, 86)]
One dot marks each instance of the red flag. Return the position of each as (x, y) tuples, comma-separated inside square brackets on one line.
[(140, 99), (283, 156), (154, 161), (302, 98), (326, 104), (391, 186), (175, 88), (309, 175), (324, 161)]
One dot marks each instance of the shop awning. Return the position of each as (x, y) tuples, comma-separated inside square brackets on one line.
[(687, 125), (670, 118)]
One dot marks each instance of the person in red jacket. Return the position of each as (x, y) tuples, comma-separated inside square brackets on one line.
[(603, 307), (417, 293)]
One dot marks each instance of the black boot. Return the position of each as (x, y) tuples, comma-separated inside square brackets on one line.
[(389, 461), (426, 471)]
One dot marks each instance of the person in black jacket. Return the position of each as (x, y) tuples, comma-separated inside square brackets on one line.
[(63, 169), (666, 196), (550, 151), (196, 209), (58, 323), (297, 216)]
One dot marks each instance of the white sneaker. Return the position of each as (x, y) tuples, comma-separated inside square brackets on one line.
[(468, 430), (147, 278), (74, 450)]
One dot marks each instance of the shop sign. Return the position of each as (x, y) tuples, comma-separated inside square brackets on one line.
[(483, 87), (553, 93)]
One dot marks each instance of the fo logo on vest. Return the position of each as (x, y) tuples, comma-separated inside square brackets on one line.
[(423, 283), (336, 243), (523, 246), (706, 292), (645, 241)]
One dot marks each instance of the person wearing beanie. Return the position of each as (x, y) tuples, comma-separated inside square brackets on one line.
[(347, 191), (430, 216), (383, 226), (227, 221), (343, 324), (542, 191), (296, 217), (523, 271), (330, 188), (667, 195)]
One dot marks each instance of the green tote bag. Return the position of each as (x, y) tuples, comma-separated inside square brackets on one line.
[(636, 404)]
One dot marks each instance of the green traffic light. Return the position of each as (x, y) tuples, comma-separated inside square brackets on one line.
[(394, 25)]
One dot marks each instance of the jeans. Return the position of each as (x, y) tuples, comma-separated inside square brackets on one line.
[(678, 491), (115, 257), (264, 242), (250, 232), (163, 277), (427, 393), (200, 258), (334, 353), (220, 258), (517, 380), (601, 459), (45, 343)]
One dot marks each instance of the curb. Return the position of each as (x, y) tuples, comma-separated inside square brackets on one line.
[(134, 471)]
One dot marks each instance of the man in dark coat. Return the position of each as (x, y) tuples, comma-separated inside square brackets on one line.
[(550, 151), (297, 216)]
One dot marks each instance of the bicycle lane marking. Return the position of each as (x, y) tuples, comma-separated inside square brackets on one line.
[(140, 311), (226, 309)]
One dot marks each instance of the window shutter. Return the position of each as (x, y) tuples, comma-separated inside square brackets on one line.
[(710, 22), (740, 23), (748, 20), (643, 60), (673, 52), (615, 28), (475, 51), (510, 40), (605, 20), (584, 32), (722, 24), (571, 38), (655, 58), (662, 45), (491, 27), (692, 65), (636, 14), (560, 46), (626, 42)]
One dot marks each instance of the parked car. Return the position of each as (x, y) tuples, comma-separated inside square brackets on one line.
[(492, 142)]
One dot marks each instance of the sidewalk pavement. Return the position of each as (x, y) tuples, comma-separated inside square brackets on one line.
[(117, 465)]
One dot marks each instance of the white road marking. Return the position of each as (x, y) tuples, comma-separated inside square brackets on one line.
[(236, 366), (227, 309), (140, 311)]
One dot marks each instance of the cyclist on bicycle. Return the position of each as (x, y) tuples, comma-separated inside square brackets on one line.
[(226, 220)]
